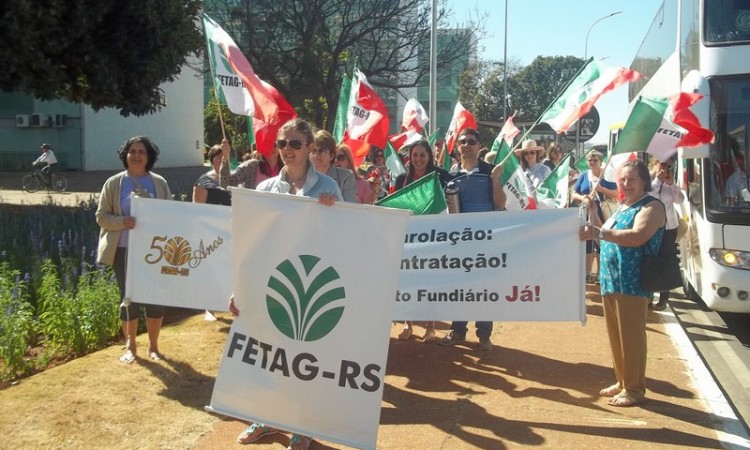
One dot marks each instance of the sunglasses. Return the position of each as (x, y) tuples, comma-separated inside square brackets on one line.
[(666, 166), (319, 151), (340, 157), (295, 144), (468, 141)]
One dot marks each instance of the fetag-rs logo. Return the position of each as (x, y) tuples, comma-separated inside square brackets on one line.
[(305, 298)]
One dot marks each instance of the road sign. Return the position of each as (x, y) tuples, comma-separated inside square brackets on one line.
[(589, 124)]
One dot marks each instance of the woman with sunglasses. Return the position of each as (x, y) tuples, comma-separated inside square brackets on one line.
[(322, 156), (294, 142), (363, 189), (421, 163), (582, 191), (665, 189)]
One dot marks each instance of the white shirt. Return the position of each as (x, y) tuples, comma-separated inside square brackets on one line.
[(737, 187), (48, 157), (669, 195)]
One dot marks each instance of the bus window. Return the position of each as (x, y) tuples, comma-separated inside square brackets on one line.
[(725, 21)]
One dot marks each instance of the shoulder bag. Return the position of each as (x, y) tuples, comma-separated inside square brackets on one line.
[(660, 272)]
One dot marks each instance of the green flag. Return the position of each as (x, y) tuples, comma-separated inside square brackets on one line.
[(553, 192), (393, 161), (341, 110), (424, 196)]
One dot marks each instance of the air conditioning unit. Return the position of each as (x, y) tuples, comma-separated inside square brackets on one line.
[(60, 121), (22, 120), (38, 120)]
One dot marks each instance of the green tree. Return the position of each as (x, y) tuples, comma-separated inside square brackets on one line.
[(101, 53), (303, 47), (235, 126), (481, 91)]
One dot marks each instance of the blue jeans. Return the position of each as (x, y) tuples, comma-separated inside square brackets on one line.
[(484, 329)]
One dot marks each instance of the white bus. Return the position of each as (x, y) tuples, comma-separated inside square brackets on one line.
[(704, 46)]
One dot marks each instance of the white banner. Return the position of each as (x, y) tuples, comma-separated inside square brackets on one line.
[(500, 266), (308, 352), (179, 254)]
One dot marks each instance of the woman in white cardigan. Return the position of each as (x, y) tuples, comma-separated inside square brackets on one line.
[(138, 155)]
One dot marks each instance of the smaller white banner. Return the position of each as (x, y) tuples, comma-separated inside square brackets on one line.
[(179, 254)]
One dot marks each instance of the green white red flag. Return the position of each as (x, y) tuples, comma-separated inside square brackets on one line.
[(553, 192), (507, 134), (461, 120), (518, 190), (393, 161), (414, 117), (659, 125), (592, 81), (238, 87), (367, 119)]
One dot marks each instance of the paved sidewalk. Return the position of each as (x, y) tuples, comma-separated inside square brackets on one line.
[(81, 185), (537, 388)]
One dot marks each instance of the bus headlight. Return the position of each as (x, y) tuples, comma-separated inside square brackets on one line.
[(731, 258)]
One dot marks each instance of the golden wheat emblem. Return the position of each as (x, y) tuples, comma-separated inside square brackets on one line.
[(177, 251)]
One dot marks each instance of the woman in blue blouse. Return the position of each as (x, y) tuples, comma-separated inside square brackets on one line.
[(636, 226)]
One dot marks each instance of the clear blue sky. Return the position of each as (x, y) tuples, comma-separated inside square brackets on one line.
[(558, 28)]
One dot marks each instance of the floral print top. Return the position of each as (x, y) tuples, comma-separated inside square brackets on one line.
[(620, 271)]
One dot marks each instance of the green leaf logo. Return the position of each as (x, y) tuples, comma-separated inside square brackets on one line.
[(305, 301)]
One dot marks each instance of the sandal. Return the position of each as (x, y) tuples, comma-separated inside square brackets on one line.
[(623, 399), (156, 356), (299, 442), (429, 336), (611, 391), (255, 432), (405, 334), (127, 358)]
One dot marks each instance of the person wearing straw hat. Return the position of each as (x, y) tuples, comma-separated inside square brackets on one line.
[(530, 155)]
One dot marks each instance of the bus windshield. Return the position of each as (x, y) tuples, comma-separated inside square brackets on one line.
[(727, 21), (729, 162)]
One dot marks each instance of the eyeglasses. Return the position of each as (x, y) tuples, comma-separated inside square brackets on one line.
[(295, 144), (340, 157), (467, 141), (592, 160), (666, 166), (319, 151)]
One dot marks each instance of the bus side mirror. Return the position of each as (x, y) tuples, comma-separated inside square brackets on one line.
[(694, 82)]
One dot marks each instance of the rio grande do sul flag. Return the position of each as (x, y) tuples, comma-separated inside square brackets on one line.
[(414, 117), (507, 134), (518, 190), (553, 192), (594, 80), (659, 125), (366, 121), (234, 78), (461, 120)]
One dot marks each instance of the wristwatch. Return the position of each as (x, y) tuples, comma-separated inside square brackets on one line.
[(601, 234)]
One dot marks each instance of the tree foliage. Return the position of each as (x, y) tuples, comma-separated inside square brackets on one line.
[(303, 47), (102, 53), (531, 89)]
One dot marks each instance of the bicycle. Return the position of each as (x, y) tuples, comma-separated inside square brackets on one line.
[(32, 181)]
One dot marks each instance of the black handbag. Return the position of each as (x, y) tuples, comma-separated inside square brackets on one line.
[(660, 272)]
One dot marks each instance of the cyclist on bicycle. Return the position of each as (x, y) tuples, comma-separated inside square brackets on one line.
[(46, 163)]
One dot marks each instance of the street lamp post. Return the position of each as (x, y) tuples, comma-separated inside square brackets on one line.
[(505, 66), (586, 48)]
